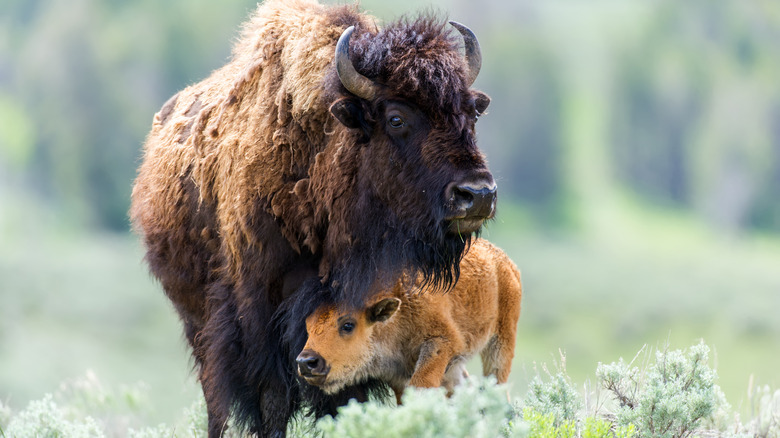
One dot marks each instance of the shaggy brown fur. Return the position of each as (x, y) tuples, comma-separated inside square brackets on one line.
[(404, 336), (250, 186)]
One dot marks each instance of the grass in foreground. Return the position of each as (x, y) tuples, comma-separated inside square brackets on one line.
[(672, 396)]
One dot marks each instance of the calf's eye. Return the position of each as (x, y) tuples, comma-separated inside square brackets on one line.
[(396, 122), (347, 327)]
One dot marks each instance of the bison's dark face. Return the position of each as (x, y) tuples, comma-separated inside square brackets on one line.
[(420, 155)]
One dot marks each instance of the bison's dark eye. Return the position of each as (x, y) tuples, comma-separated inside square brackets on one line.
[(396, 121), (347, 327)]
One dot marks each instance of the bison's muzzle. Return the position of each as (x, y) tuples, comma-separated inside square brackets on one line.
[(471, 203)]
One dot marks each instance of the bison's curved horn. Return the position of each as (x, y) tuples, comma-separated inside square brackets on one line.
[(473, 52), (353, 81)]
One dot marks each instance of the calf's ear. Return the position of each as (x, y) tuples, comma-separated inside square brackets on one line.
[(348, 112), (383, 310)]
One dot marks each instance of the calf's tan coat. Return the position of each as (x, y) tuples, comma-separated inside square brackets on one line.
[(408, 337)]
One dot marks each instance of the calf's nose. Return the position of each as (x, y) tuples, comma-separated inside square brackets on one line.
[(311, 364)]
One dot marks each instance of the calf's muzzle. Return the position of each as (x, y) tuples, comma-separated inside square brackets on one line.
[(312, 367)]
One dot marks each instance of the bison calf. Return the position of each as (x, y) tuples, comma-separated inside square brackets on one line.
[(405, 337)]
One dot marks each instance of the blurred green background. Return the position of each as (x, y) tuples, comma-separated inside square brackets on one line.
[(636, 146)]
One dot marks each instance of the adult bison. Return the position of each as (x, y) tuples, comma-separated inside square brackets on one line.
[(290, 163)]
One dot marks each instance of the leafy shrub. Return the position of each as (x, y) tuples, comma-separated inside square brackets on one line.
[(767, 422), (157, 432), (478, 408), (668, 400), (554, 409), (44, 419), (675, 397), (547, 426), (599, 428), (115, 409), (765, 407), (5, 417), (557, 398)]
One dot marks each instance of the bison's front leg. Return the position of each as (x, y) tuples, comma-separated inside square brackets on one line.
[(435, 354), (217, 414), (217, 423), (275, 410)]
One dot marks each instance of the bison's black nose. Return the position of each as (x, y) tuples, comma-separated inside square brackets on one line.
[(470, 203), (475, 200), (311, 364)]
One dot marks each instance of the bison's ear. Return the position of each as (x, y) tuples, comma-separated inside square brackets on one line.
[(383, 310), (348, 112), (481, 101)]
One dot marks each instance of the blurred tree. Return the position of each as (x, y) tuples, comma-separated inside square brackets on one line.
[(765, 214), (693, 110), (654, 120), (88, 75), (692, 121), (17, 137), (521, 132)]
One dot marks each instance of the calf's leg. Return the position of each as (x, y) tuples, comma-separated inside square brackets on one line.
[(498, 353), (435, 354), (455, 375)]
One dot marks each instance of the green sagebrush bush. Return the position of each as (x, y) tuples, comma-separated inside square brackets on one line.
[(767, 420), (84, 407), (554, 409), (765, 414), (558, 398), (44, 419), (478, 408), (675, 396), (548, 426), (5, 416), (671, 398)]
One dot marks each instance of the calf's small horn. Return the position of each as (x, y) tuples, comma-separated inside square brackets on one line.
[(473, 52), (353, 81)]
